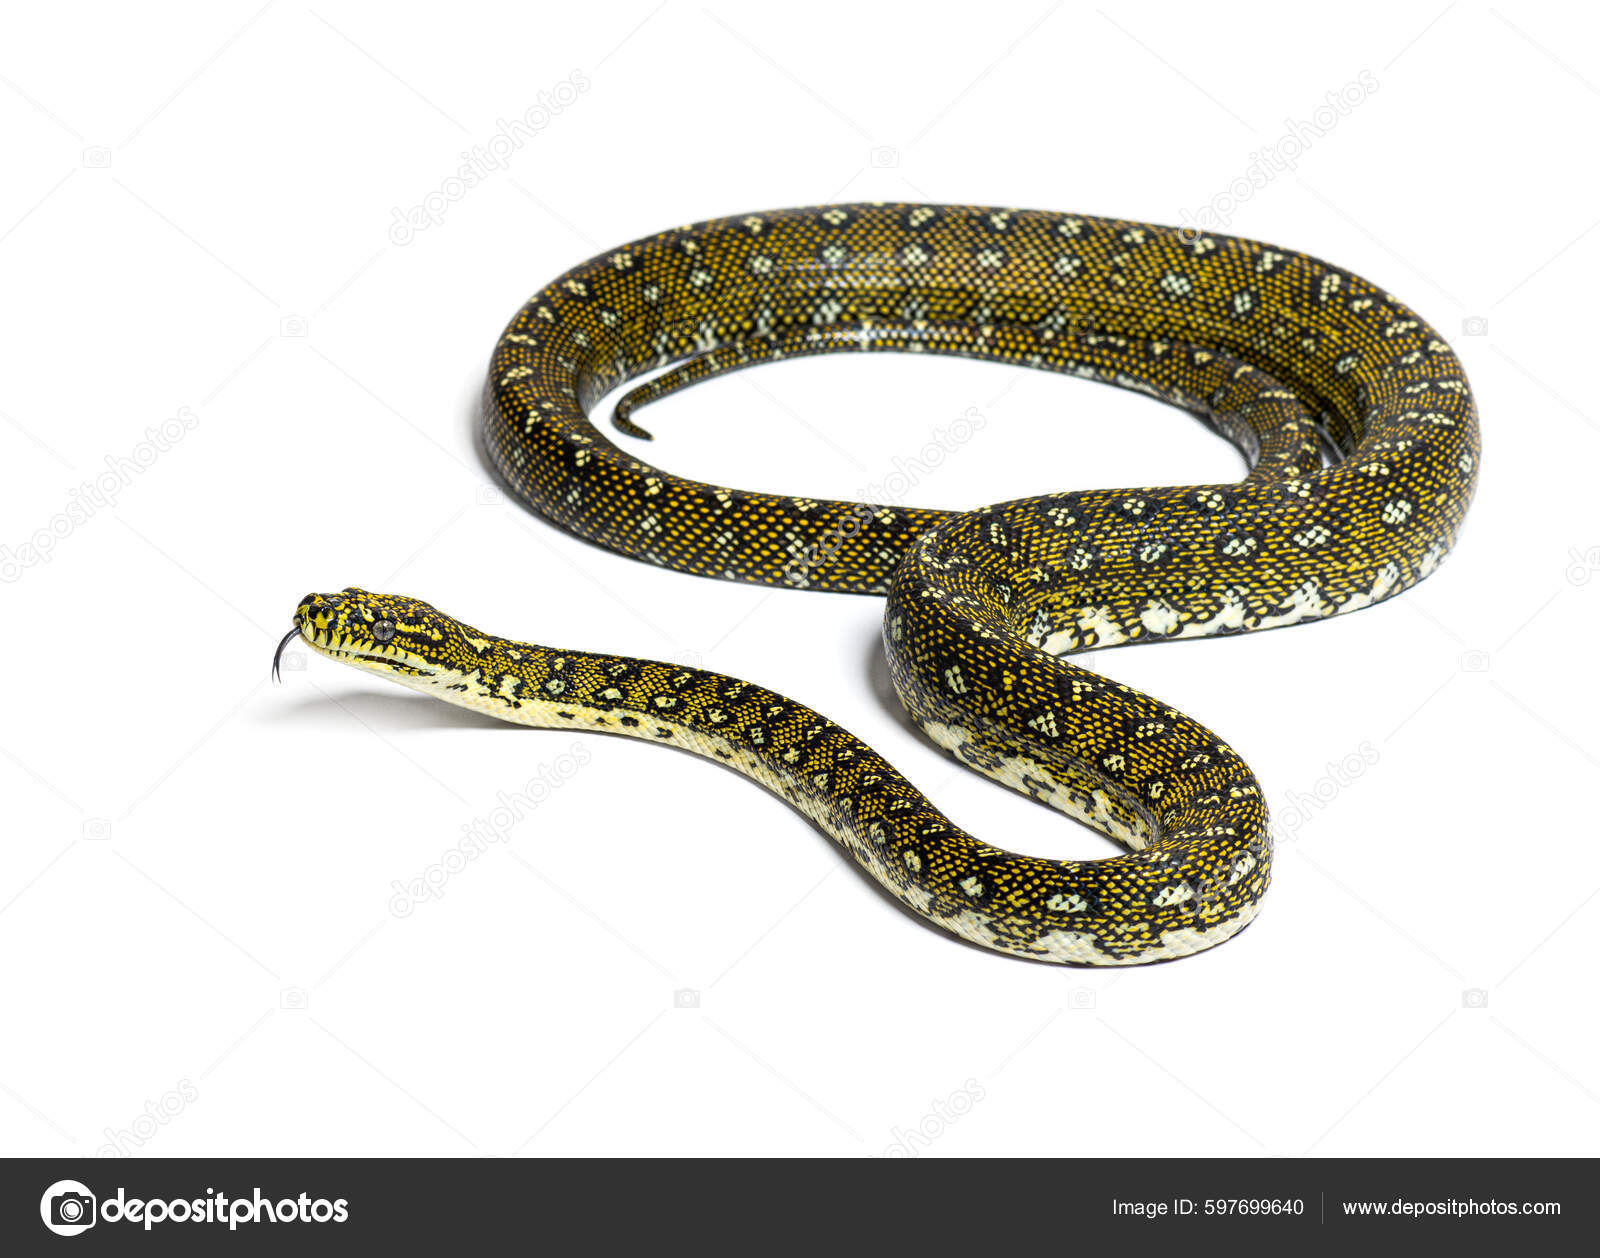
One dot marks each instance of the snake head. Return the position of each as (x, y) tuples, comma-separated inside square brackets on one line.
[(392, 634)]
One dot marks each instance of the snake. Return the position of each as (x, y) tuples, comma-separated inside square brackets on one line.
[(1353, 416)]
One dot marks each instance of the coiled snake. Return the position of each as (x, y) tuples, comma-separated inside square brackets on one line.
[(1285, 356)]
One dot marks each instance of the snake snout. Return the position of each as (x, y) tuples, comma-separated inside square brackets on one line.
[(315, 602), (306, 616)]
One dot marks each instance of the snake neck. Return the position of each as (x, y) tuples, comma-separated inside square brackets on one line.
[(1039, 909)]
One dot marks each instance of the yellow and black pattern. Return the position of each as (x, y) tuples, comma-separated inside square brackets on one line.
[(1356, 416)]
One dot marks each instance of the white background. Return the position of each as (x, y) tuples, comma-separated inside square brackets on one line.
[(195, 896)]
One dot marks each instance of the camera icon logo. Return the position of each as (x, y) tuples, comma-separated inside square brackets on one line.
[(97, 157), (1475, 661), (490, 496), (97, 828), (293, 325), (295, 998), (686, 998), (1584, 564), (1474, 325), (67, 1207), (1081, 998), (884, 157), (1474, 998)]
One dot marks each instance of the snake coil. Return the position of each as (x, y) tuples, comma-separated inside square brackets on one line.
[(1356, 416)]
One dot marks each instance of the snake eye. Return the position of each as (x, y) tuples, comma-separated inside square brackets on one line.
[(383, 630)]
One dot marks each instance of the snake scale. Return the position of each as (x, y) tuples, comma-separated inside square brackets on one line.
[(1354, 414)]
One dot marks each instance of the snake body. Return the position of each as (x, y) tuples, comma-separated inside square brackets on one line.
[(1355, 414)]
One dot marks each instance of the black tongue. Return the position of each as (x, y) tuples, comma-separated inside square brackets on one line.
[(277, 655)]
